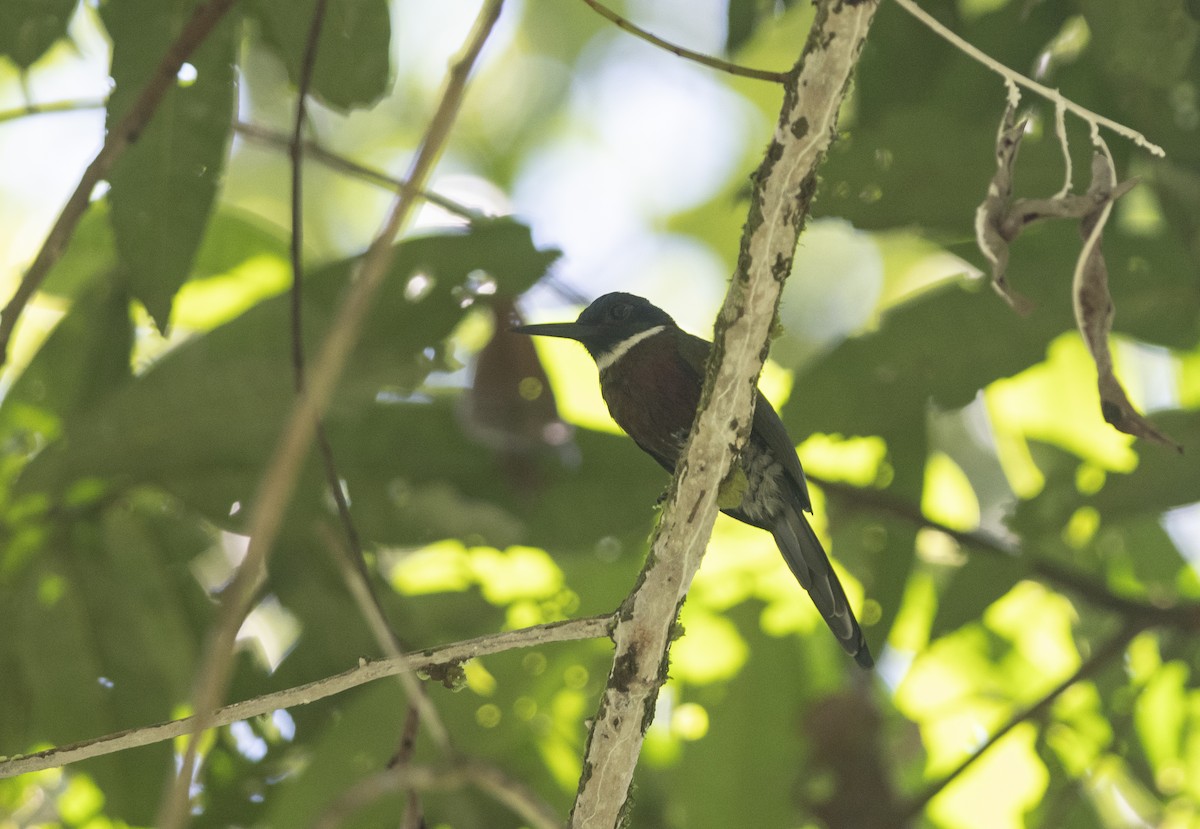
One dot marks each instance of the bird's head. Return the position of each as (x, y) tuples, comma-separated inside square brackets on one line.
[(608, 327)]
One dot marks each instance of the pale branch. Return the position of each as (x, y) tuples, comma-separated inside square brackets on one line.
[(1097, 660), (572, 630), (783, 189), (278, 482), (1012, 76), (687, 54), (203, 20), (352, 565)]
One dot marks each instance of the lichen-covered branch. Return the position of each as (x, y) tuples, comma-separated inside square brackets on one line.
[(569, 631), (783, 189)]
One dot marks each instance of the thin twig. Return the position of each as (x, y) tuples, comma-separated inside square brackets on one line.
[(352, 565), (1106, 653), (688, 54), (504, 789), (51, 108), (337, 162), (125, 132), (296, 156), (1052, 95), (263, 135), (594, 627), (275, 489)]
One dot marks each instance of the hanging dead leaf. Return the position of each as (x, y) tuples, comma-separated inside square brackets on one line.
[(1094, 306), (993, 229)]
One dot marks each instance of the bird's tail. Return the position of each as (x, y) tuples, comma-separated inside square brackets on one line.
[(806, 557)]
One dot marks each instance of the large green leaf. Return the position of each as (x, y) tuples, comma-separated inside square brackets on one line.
[(164, 185), (29, 27), (353, 58), (203, 420)]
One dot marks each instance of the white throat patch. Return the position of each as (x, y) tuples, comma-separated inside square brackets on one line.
[(608, 358)]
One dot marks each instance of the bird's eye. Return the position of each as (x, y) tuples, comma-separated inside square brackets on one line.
[(621, 311)]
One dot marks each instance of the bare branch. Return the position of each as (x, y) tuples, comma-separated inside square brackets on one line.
[(278, 482), (572, 630), (784, 185), (338, 162), (203, 20), (687, 54)]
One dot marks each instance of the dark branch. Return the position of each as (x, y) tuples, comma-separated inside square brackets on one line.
[(1106, 653), (687, 54), (1183, 615)]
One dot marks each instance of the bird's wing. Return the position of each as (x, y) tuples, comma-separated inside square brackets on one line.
[(770, 429), (767, 426)]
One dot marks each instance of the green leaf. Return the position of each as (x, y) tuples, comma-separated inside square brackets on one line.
[(354, 745), (353, 59), (164, 185), (1163, 479), (1150, 43), (204, 419), (973, 587), (90, 253), (29, 27), (84, 359)]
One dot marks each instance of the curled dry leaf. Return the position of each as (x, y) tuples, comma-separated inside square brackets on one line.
[(994, 229), (1094, 306)]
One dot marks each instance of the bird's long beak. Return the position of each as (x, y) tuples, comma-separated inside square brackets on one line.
[(566, 330)]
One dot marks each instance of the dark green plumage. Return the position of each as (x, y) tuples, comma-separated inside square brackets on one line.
[(651, 374)]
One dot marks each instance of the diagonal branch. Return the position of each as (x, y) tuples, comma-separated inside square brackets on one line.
[(783, 190), (279, 479), (203, 20), (1099, 658), (593, 627)]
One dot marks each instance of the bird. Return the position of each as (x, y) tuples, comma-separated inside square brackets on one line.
[(651, 375)]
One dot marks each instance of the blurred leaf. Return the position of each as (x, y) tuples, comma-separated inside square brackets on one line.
[(1150, 44), (29, 27), (202, 421), (732, 771), (353, 745), (82, 361), (90, 253), (1163, 479), (353, 59), (973, 587), (164, 185), (87, 661)]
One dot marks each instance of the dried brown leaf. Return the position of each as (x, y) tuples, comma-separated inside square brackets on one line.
[(993, 230), (1094, 306)]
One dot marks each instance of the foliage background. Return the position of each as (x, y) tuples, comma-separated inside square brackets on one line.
[(996, 531)]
